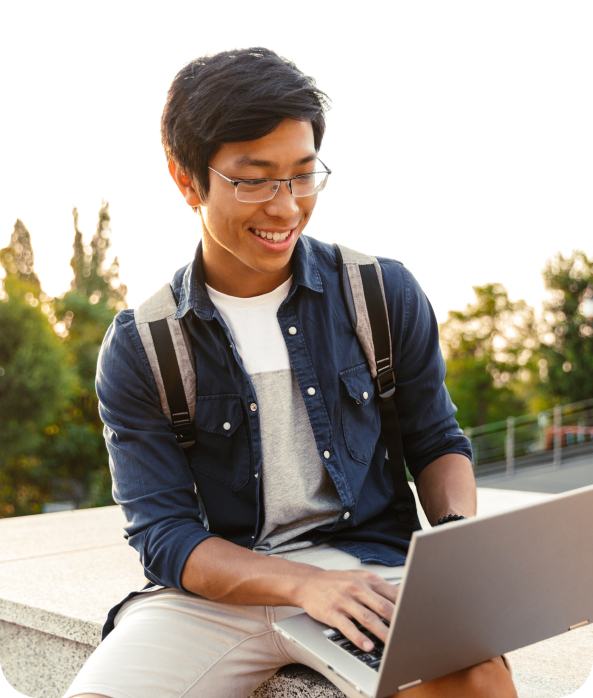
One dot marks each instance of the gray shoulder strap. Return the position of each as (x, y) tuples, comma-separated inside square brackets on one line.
[(163, 306), (357, 304)]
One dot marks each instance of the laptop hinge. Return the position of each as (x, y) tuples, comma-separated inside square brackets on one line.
[(409, 685), (578, 625)]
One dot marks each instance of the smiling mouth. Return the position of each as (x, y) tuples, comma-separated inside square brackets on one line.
[(271, 237)]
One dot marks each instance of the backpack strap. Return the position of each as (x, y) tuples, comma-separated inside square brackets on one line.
[(170, 357), (364, 294)]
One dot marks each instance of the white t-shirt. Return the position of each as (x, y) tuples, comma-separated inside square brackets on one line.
[(255, 329)]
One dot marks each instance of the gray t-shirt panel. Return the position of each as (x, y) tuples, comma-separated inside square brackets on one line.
[(299, 494)]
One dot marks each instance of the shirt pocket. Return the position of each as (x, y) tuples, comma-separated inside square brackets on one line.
[(361, 421), (222, 449)]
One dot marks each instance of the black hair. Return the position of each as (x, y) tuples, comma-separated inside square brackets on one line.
[(235, 96)]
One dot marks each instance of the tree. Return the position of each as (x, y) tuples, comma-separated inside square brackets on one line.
[(85, 312), (489, 348), (567, 332), (51, 441), (35, 380)]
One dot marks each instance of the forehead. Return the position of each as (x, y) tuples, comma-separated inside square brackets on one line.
[(291, 143)]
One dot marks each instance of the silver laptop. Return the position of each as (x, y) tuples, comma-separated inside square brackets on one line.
[(471, 590)]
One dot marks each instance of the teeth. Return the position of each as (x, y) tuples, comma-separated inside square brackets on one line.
[(276, 237)]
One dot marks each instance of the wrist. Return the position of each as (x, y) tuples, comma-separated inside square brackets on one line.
[(301, 583)]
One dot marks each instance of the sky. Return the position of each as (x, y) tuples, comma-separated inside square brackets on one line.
[(471, 121)]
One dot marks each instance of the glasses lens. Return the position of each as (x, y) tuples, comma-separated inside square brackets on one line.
[(309, 184), (256, 190)]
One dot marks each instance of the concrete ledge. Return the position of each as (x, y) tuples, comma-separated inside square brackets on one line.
[(40, 665), (296, 680), (60, 573)]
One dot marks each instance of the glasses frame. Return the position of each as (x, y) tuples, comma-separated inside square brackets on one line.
[(236, 182)]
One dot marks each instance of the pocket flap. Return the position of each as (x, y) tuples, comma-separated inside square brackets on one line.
[(219, 414), (359, 383)]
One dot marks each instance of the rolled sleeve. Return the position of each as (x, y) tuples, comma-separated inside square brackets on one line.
[(426, 412), (152, 480)]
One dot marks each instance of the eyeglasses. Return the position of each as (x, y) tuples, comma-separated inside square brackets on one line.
[(254, 191)]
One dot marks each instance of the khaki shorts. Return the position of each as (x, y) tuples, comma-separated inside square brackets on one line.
[(174, 644)]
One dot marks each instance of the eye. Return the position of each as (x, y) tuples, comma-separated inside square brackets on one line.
[(252, 182)]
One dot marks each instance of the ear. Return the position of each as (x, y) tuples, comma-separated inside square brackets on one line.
[(185, 184)]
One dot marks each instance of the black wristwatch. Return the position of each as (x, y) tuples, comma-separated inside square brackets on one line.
[(451, 517)]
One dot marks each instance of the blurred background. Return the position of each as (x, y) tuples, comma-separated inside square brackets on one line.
[(471, 122)]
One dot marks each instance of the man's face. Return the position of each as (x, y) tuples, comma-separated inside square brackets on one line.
[(231, 224)]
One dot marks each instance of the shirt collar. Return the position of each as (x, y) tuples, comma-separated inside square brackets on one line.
[(193, 294)]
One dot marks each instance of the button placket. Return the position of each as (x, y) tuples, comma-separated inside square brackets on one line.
[(318, 416)]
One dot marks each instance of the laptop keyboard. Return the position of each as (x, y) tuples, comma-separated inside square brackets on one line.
[(371, 659)]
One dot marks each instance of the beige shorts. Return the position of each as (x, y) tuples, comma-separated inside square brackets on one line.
[(173, 644)]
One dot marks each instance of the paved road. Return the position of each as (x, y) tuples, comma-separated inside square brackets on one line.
[(577, 472)]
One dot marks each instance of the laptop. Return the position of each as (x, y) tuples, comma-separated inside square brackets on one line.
[(471, 590)]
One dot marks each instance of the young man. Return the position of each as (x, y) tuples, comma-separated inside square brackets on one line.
[(284, 502)]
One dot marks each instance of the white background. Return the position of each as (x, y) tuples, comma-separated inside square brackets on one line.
[(473, 121)]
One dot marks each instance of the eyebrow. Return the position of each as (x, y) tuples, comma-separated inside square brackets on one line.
[(254, 162)]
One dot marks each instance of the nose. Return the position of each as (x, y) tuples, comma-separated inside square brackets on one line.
[(283, 205)]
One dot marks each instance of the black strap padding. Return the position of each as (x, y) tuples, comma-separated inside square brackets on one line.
[(375, 303), (181, 423), (404, 502)]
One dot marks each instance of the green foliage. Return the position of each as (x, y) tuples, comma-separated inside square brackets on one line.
[(85, 312), (567, 348), (36, 380), (51, 442), (491, 364)]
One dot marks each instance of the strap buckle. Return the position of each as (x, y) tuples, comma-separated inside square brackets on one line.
[(185, 433), (386, 383)]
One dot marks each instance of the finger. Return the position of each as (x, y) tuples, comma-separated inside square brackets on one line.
[(389, 591), (370, 620), (350, 631), (379, 596), (383, 606)]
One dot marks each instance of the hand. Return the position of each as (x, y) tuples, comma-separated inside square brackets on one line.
[(338, 598)]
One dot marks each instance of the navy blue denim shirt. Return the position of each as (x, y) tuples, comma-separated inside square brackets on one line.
[(163, 488)]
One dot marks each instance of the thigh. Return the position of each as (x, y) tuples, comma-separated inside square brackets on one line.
[(172, 644)]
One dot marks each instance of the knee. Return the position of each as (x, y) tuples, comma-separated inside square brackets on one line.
[(491, 678)]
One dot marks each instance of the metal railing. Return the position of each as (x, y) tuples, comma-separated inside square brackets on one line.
[(532, 438)]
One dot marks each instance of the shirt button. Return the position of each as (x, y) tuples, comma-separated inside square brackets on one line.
[(253, 407), (226, 426), (311, 391), (256, 474), (346, 516), (292, 330), (326, 454), (365, 395)]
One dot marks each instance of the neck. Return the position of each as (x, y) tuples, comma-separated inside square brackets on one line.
[(226, 273)]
